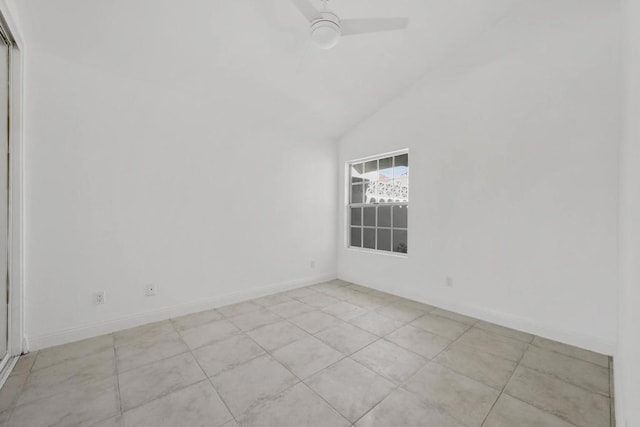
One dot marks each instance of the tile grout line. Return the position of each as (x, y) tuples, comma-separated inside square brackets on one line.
[(214, 389), (31, 371), (529, 344), (367, 310), (432, 360), (367, 368), (612, 406), (505, 386), (268, 353), (300, 380), (116, 370), (567, 382), (340, 319), (22, 386), (544, 373), (558, 379), (321, 397), (190, 351), (157, 361), (476, 321), (565, 354), (225, 317), (451, 342), (334, 363), (399, 385), (340, 299), (115, 362), (551, 375)]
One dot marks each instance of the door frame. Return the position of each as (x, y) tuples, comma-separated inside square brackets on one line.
[(15, 308)]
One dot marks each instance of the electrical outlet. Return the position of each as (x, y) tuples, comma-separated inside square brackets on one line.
[(151, 290), (448, 282), (100, 297), (313, 263)]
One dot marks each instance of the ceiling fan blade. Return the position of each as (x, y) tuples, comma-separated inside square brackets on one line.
[(350, 27), (307, 9)]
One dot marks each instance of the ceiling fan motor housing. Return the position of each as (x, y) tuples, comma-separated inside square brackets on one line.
[(326, 32)]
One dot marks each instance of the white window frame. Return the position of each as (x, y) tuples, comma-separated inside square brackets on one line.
[(376, 205)]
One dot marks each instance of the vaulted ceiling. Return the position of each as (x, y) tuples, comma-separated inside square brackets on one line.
[(254, 57)]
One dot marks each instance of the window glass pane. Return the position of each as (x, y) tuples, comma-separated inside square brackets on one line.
[(386, 169), (400, 216), (370, 216), (402, 160), (369, 238), (369, 192), (356, 233), (371, 166), (356, 216), (384, 216), (401, 166), (382, 190), (371, 171), (400, 241), (384, 239), (380, 184), (356, 172), (401, 190), (356, 193)]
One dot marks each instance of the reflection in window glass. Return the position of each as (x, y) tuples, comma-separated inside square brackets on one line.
[(384, 216), (400, 241), (401, 189), (370, 171), (379, 202), (371, 166), (384, 239), (402, 160), (356, 236), (356, 216), (370, 216), (401, 166), (369, 238), (386, 169), (356, 193), (400, 216), (356, 171), (369, 192)]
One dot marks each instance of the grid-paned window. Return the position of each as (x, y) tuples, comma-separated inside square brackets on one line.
[(379, 203)]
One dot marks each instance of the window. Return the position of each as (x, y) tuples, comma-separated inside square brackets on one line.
[(379, 203)]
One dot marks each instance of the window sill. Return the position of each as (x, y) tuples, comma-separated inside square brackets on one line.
[(375, 252)]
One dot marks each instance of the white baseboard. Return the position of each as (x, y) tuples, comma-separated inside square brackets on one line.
[(508, 320), (39, 342)]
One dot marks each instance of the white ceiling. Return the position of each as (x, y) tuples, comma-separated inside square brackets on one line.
[(255, 56)]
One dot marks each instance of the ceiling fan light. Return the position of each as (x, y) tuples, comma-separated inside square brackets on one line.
[(325, 34)]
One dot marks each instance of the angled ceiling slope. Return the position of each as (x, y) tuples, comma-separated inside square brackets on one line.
[(257, 53)]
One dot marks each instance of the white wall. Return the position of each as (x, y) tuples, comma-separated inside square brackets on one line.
[(626, 369), (513, 157), (136, 173), (154, 156)]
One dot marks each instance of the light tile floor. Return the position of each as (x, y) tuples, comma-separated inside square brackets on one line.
[(332, 354)]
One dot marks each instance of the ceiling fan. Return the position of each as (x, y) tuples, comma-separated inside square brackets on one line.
[(327, 27)]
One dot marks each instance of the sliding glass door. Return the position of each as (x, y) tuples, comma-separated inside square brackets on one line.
[(4, 192)]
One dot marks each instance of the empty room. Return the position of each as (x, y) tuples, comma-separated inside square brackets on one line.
[(323, 213)]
